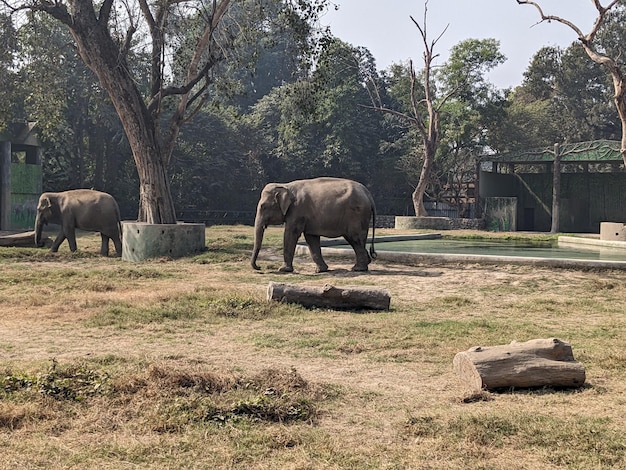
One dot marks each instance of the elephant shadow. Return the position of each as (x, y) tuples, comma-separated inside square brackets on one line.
[(347, 273)]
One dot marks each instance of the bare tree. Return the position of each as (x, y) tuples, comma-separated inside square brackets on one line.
[(617, 72), (424, 113)]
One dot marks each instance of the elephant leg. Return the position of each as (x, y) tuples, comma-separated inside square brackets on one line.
[(362, 256), (118, 246), (316, 252), (290, 239), (70, 233), (104, 248), (112, 235), (57, 242)]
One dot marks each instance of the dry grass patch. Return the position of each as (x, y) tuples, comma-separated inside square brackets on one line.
[(183, 364)]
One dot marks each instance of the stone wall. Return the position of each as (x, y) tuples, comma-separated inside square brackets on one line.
[(385, 221), (438, 223)]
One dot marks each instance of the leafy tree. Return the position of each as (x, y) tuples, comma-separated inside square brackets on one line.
[(9, 103), (320, 125), (211, 168), (602, 46), (564, 98), (186, 44), (467, 118), (445, 111), (78, 126)]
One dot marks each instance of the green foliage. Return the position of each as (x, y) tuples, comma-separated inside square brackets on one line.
[(324, 125), (272, 396), (74, 382), (268, 114), (84, 145), (469, 107), (10, 101), (565, 96)]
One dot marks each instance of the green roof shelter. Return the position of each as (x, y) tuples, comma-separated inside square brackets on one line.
[(568, 188)]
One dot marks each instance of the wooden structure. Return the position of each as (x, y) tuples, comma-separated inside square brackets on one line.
[(20, 176), (348, 298), (535, 363)]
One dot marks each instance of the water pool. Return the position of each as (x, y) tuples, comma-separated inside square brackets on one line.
[(433, 248), (503, 248)]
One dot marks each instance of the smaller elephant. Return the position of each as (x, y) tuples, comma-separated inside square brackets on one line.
[(83, 209), (319, 207)]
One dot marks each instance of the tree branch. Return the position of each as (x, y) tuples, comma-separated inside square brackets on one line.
[(105, 12), (616, 72)]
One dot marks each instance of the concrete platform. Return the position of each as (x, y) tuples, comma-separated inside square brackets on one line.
[(141, 241)]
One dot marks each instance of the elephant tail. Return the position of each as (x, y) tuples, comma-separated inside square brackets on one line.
[(373, 253)]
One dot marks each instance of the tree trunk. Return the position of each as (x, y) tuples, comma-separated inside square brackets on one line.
[(420, 189), (620, 104), (351, 298), (102, 55), (535, 363)]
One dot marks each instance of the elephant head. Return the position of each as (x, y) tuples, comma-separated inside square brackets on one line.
[(271, 210), (44, 213)]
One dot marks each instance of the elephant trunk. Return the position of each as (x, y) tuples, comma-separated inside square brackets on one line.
[(259, 230), (39, 223)]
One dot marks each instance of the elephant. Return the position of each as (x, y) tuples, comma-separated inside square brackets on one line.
[(84, 209), (328, 207)]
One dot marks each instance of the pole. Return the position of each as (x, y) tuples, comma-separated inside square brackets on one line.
[(556, 189)]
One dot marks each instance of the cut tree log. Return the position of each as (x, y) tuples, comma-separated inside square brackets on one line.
[(535, 363), (350, 298), (21, 240)]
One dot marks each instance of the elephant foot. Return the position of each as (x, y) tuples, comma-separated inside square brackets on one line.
[(321, 269), (286, 269), (356, 268)]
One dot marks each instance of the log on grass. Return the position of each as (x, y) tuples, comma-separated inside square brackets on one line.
[(348, 298), (535, 363), (21, 240)]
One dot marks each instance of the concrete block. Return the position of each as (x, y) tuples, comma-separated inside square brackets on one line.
[(436, 223), (142, 241), (612, 231)]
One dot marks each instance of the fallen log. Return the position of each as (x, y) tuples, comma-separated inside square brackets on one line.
[(21, 240), (535, 363), (349, 298)]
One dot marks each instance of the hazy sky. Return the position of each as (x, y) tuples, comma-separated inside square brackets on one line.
[(385, 28)]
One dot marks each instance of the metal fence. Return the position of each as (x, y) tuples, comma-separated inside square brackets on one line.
[(226, 217), (216, 217)]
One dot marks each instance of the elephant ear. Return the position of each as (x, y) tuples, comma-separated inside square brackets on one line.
[(44, 204), (283, 198)]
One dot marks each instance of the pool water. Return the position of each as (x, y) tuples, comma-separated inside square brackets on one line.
[(492, 247)]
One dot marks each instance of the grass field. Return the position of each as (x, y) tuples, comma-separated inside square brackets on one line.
[(171, 364)]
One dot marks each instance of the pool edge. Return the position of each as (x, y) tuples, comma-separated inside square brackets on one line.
[(329, 249)]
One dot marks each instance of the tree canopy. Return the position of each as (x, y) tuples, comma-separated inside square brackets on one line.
[(280, 100)]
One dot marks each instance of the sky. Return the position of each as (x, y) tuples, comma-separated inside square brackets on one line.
[(385, 28)]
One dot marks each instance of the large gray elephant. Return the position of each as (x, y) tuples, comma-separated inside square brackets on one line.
[(328, 207), (83, 209)]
